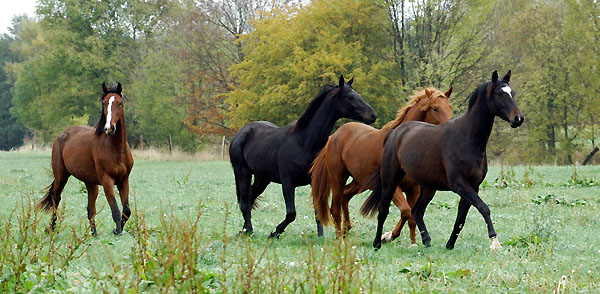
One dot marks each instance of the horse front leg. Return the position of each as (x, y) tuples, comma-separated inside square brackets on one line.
[(470, 195), (123, 188), (108, 184), (290, 208)]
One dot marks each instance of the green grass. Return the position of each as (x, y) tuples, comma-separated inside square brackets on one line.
[(183, 237)]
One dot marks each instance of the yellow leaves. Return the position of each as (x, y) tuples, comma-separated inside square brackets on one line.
[(294, 51)]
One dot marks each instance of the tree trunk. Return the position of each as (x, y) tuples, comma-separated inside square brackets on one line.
[(170, 145), (589, 157), (141, 144)]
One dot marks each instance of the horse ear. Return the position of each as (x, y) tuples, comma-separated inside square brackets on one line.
[(448, 93), (506, 78), (351, 81), (119, 88), (104, 89), (341, 83), (495, 76), (427, 92)]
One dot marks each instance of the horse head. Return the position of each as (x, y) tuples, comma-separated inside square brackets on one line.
[(501, 100), (437, 106), (349, 104), (112, 109)]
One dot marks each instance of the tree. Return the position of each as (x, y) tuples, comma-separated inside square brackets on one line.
[(76, 46), (12, 132), (294, 51)]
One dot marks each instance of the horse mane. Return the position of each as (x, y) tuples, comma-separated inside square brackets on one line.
[(478, 91), (401, 115), (102, 121), (312, 107)]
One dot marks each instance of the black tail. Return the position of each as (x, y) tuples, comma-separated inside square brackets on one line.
[(371, 205), (236, 157), (47, 203)]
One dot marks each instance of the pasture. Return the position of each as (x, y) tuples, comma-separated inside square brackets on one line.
[(182, 236)]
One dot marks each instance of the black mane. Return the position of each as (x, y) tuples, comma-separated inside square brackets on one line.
[(480, 90), (102, 122), (312, 107)]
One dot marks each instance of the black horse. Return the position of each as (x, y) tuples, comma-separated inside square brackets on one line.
[(284, 155), (451, 156)]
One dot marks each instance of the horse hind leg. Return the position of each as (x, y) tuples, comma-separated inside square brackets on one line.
[(349, 191), (257, 188), (91, 207), (405, 214), (337, 183)]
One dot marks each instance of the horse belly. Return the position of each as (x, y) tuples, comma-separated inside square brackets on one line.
[(82, 169)]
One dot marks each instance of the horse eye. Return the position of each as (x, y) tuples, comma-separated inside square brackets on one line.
[(435, 109)]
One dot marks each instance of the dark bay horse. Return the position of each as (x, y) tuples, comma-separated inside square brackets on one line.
[(448, 157), (355, 150), (284, 155), (95, 156)]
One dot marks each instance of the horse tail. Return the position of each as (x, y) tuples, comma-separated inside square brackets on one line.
[(47, 203), (371, 205), (236, 157), (321, 187)]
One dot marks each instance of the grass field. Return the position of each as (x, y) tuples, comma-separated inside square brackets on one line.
[(182, 237)]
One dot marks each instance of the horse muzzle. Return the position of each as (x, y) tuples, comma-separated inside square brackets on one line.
[(517, 121), (369, 117), (110, 131)]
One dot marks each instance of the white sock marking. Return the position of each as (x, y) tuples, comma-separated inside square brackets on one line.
[(508, 90), (109, 112)]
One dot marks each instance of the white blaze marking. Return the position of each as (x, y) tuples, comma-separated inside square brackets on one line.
[(109, 112), (507, 89)]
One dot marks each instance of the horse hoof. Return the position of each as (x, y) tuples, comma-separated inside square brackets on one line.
[(449, 246), (243, 232), (117, 233), (377, 245), (386, 237), (413, 245), (274, 235), (495, 244)]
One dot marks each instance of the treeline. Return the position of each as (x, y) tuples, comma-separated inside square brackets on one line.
[(193, 71)]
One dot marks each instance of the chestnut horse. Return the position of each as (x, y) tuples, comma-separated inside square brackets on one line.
[(447, 157), (355, 150), (95, 156), (284, 155)]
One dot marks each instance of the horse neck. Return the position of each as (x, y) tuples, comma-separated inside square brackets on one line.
[(412, 113), (478, 120), (119, 139), (317, 131), (415, 113)]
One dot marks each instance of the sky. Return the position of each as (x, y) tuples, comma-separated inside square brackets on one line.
[(11, 8)]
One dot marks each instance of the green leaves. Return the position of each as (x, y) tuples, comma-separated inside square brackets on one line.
[(293, 52)]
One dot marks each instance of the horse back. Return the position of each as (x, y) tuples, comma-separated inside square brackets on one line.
[(360, 148)]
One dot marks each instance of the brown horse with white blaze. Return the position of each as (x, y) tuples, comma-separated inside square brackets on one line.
[(355, 150), (95, 156)]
